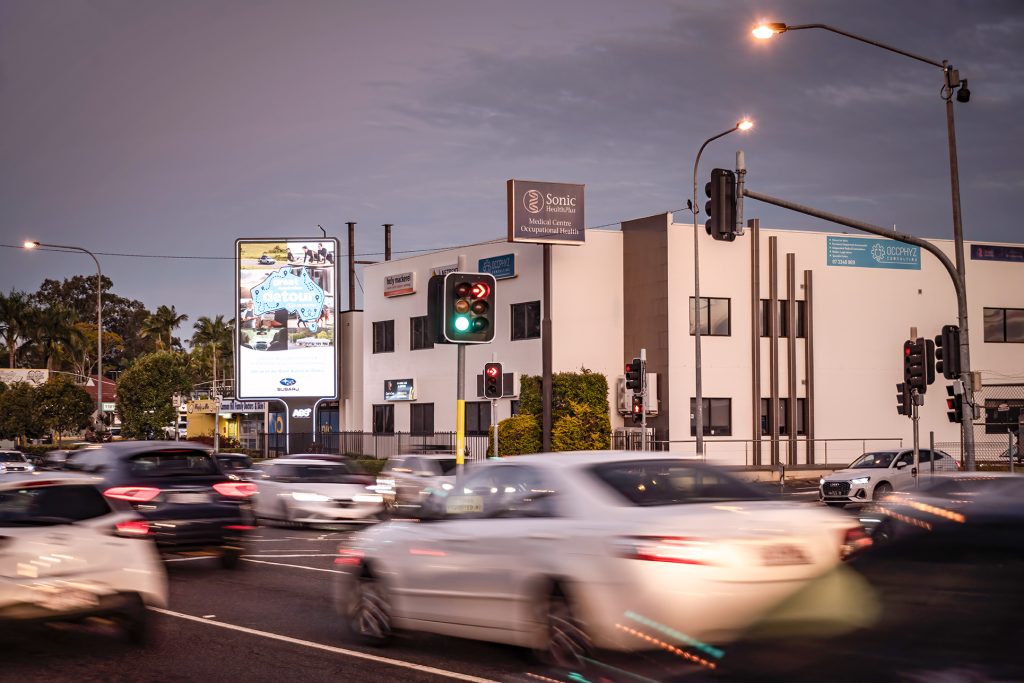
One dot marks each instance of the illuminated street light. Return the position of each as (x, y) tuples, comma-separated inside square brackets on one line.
[(745, 124), (766, 30)]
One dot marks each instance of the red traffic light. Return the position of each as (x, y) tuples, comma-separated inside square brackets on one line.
[(480, 290), (493, 370)]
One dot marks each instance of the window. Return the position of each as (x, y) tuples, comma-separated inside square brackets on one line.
[(384, 336), (717, 416), (384, 419), (801, 318), (714, 317), (501, 492), (172, 463), (526, 320), (515, 406), (478, 417), (670, 482), (801, 417), (419, 335), (1004, 325), (421, 418)]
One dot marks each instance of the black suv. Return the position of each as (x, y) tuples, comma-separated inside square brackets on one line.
[(191, 506)]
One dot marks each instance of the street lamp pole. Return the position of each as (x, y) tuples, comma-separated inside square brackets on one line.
[(698, 411), (951, 83), (31, 244)]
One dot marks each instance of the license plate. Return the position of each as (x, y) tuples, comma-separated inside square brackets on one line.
[(69, 601), (187, 498), (781, 555)]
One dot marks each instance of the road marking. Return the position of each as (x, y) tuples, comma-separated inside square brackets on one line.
[(297, 555), (186, 559), (296, 566), (329, 648)]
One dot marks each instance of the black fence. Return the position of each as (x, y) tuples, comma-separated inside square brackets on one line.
[(366, 444)]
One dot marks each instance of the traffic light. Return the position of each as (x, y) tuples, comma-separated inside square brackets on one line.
[(902, 399), (635, 376), (638, 408), (915, 369), (947, 352), (721, 206), (929, 359), (954, 403), (460, 308), (492, 380)]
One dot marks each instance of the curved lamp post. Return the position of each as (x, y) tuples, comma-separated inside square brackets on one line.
[(698, 412), (31, 244)]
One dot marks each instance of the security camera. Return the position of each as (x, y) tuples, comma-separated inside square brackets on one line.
[(962, 93)]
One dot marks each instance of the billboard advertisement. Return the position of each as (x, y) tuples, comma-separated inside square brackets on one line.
[(548, 213), (287, 313)]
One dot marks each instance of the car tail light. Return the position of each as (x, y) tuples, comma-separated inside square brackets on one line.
[(668, 549), (133, 494), (349, 557), (132, 528), (235, 489), (854, 540)]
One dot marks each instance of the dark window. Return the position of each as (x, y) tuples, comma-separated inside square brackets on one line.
[(717, 416), (801, 318), (384, 336), (47, 505), (801, 417), (526, 320), (1004, 325), (714, 317), (172, 463), (384, 419), (515, 406), (670, 482), (234, 462), (421, 418), (499, 491), (419, 335), (318, 473), (1002, 415), (478, 417)]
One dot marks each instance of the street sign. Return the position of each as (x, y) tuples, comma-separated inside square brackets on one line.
[(547, 213)]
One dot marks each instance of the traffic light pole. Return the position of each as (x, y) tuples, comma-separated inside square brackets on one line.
[(643, 394), (916, 400), (967, 420), (460, 413)]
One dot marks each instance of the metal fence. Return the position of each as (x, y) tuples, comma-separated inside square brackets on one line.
[(367, 444), (997, 430)]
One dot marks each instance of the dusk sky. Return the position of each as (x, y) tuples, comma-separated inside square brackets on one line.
[(171, 128)]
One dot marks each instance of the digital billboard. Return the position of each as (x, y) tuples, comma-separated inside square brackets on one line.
[(287, 313)]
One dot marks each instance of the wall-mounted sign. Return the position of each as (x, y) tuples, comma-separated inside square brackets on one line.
[(501, 267), (399, 284), (399, 390), (34, 376), (872, 252), (994, 252), (287, 342), (204, 406), (550, 213), (230, 405), (444, 270)]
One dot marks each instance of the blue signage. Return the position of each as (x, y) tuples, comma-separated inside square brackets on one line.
[(994, 252), (501, 267), (872, 252), (283, 289)]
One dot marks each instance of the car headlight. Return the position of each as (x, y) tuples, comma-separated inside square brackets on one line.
[(860, 480), (307, 497), (446, 486), (821, 481), (368, 498)]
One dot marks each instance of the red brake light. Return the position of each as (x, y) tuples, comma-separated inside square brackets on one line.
[(235, 489), (133, 494), (668, 549), (132, 528), (349, 557), (854, 540)]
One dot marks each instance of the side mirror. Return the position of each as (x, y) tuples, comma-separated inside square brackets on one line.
[(901, 464)]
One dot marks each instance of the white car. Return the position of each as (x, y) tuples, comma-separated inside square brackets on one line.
[(408, 479), (308, 490), (14, 461), (67, 555), (562, 553), (874, 475)]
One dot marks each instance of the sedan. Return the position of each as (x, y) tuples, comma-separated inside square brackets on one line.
[(875, 475), (567, 553), (69, 554), (408, 479), (312, 489), (14, 461), (238, 466)]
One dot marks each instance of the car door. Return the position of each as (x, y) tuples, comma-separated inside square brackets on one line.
[(902, 478)]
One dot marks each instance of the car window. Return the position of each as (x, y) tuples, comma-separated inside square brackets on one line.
[(906, 458), (394, 464), (447, 465), (923, 455), (671, 482), (235, 462), (318, 473), (880, 459), (46, 505), (172, 463), (505, 491)]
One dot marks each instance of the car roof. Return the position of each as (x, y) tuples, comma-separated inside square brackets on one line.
[(230, 455), (17, 480), (286, 460), (126, 449), (584, 458)]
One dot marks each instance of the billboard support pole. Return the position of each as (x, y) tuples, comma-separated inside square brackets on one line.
[(546, 351)]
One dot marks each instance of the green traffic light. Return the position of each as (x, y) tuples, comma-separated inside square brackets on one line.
[(461, 323)]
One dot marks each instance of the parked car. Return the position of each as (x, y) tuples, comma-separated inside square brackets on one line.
[(67, 553), (311, 489), (874, 475), (408, 479), (14, 461), (238, 466), (190, 505), (555, 552)]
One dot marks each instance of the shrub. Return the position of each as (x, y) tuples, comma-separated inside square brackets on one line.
[(517, 435), (583, 428), (579, 409)]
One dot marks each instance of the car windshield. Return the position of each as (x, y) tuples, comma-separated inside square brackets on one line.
[(447, 466), (320, 473), (12, 457), (879, 460), (671, 482), (47, 505), (172, 463)]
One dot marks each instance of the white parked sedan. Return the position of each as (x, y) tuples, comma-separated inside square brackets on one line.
[(875, 475), (308, 491), (67, 555), (562, 553)]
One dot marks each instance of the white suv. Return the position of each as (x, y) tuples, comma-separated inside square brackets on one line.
[(879, 473)]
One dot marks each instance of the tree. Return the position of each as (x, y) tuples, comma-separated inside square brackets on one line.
[(53, 334), (168, 320), (214, 335), (82, 350), (18, 413), (63, 407), (144, 393), (15, 317)]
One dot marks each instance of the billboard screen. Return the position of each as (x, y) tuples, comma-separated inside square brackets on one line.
[(287, 313)]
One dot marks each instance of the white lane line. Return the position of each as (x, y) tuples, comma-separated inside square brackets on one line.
[(296, 566), (296, 555), (187, 559), (329, 648)]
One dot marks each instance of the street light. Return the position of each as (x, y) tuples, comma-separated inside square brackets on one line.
[(698, 413), (952, 83), (32, 244)]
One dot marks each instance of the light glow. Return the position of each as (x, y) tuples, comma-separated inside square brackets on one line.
[(307, 497), (462, 324), (745, 124), (766, 30), (29, 244)]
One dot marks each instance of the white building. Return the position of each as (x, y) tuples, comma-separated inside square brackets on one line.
[(632, 288)]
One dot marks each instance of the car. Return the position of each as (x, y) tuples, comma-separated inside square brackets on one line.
[(408, 479), (559, 552), (874, 475), (266, 260), (190, 505), (67, 553), (238, 466), (316, 490), (14, 462)]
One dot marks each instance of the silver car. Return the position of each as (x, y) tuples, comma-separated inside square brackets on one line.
[(297, 491), (14, 461), (408, 479)]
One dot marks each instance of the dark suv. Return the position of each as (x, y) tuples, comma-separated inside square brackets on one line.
[(191, 506)]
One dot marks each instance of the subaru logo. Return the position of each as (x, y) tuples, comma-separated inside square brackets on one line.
[(287, 381)]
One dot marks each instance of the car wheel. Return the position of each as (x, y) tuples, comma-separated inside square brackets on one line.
[(134, 621), (882, 533), (881, 491), (565, 643), (230, 558), (836, 505), (369, 617)]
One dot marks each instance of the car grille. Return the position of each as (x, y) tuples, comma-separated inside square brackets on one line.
[(837, 488)]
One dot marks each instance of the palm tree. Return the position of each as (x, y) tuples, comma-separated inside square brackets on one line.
[(15, 318), (164, 321), (54, 333), (216, 335)]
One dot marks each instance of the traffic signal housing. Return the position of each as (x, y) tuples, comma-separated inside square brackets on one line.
[(947, 352), (492, 380), (638, 408), (635, 376), (721, 206), (903, 399), (918, 372), (954, 403), (461, 308)]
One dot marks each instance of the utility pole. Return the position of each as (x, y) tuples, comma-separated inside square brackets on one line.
[(643, 396)]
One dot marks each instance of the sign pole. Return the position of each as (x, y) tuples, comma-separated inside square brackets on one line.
[(494, 409), (216, 426), (643, 397), (915, 400), (460, 414)]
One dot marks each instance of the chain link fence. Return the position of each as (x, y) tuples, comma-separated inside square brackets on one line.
[(997, 431)]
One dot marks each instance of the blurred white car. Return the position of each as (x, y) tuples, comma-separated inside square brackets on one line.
[(67, 555), (308, 490), (408, 479), (14, 461), (874, 475), (563, 553)]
